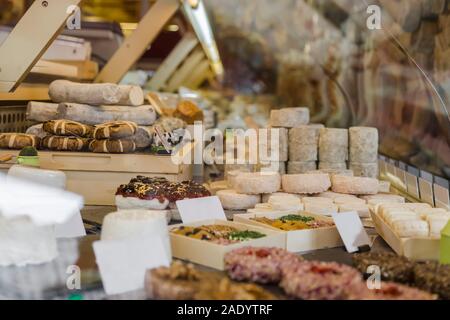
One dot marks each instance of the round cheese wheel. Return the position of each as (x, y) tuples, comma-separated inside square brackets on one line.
[(270, 143), (266, 196), (332, 167), (257, 183), (304, 135), (303, 152), (354, 185), (231, 200), (306, 183), (129, 224), (289, 117)]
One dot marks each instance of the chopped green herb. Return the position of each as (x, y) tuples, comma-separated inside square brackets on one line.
[(245, 235), (295, 217)]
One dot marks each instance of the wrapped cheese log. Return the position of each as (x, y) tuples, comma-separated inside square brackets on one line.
[(96, 94), (296, 167), (289, 117), (18, 141), (115, 130), (333, 145), (257, 183), (62, 143), (304, 143), (354, 185), (364, 169), (67, 128), (41, 111), (38, 131), (363, 145), (142, 115), (112, 146), (142, 138), (267, 141), (231, 200), (306, 183)]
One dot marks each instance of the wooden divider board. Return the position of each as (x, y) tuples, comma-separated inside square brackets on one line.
[(28, 41), (185, 70), (172, 62), (135, 45)]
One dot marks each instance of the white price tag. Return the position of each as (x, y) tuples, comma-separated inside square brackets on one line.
[(123, 263), (351, 230), (194, 210)]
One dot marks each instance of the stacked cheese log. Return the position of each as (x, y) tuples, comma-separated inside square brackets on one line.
[(414, 220), (333, 149), (364, 151), (113, 115), (303, 149), (283, 120)]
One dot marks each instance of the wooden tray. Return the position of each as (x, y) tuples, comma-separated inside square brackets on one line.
[(412, 248), (211, 254)]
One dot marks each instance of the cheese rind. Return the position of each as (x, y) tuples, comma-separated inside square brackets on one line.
[(231, 200), (296, 167), (306, 183), (363, 145), (364, 169)]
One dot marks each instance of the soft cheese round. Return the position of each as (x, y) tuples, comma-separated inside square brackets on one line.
[(306, 183), (257, 183), (231, 200)]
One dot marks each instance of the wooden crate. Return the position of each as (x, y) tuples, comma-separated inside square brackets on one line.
[(96, 176)]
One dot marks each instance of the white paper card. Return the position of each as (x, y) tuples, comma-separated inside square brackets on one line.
[(194, 210), (123, 264), (351, 230), (74, 228)]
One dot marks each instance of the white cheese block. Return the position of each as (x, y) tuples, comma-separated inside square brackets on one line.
[(364, 169), (382, 197), (321, 208), (363, 144), (126, 203), (23, 243), (354, 185), (361, 209), (231, 200), (296, 167), (411, 228), (289, 117), (437, 223), (263, 206), (257, 183), (129, 224), (306, 183), (329, 194), (285, 202), (269, 143), (394, 216)]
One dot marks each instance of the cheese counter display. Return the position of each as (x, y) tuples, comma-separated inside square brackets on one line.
[(204, 150)]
